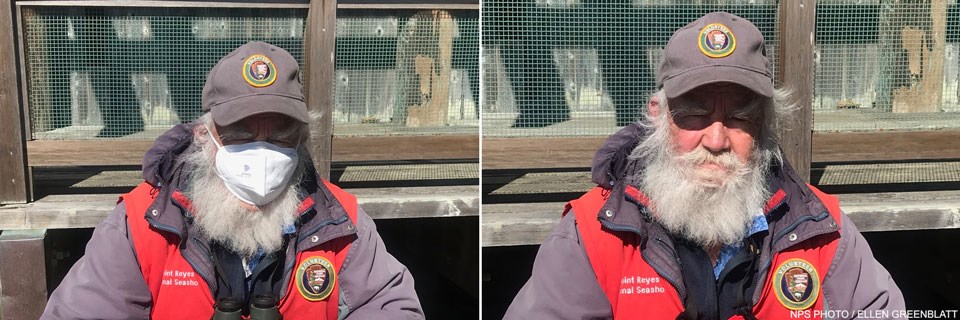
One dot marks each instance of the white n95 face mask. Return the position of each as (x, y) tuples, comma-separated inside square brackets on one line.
[(255, 172)]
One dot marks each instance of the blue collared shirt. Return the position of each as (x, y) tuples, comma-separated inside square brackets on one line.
[(251, 264), (729, 251)]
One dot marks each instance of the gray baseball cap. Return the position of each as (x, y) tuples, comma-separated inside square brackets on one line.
[(255, 78), (718, 47)]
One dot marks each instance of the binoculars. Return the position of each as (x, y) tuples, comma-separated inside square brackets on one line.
[(262, 307)]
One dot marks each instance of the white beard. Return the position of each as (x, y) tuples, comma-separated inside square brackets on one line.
[(706, 206), (221, 217)]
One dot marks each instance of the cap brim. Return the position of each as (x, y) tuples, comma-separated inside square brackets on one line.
[(235, 110), (757, 82)]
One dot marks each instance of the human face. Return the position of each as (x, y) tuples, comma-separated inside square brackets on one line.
[(273, 128), (719, 118)]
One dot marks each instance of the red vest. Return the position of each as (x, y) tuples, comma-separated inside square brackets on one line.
[(180, 293), (636, 291)]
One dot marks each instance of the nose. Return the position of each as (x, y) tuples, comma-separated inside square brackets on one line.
[(715, 137), (262, 126)]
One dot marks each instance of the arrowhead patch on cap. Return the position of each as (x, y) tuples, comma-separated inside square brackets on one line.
[(259, 71), (716, 41)]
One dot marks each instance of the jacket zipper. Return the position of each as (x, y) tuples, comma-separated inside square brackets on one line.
[(762, 270), (671, 281)]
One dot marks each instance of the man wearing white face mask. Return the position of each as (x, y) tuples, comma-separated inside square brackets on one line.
[(233, 220)]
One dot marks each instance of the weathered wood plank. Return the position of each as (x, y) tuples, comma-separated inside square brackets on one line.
[(539, 152), (797, 20), (130, 152), (14, 185), (319, 52), (420, 202), (424, 58), (24, 291), (577, 152), (87, 210), (530, 223), (406, 148), (833, 175), (79, 178), (519, 224), (885, 146)]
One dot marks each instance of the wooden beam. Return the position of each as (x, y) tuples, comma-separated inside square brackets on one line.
[(530, 223), (319, 52), (578, 152), (14, 185), (520, 223), (87, 210), (23, 278), (419, 202), (797, 27), (540, 152), (53, 153), (886, 146)]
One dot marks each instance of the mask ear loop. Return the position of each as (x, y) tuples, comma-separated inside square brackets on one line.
[(210, 133)]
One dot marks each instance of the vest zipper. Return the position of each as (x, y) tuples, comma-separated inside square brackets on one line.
[(206, 251), (671, 281)]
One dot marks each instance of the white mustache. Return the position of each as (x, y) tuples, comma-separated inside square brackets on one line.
[(732, 167)]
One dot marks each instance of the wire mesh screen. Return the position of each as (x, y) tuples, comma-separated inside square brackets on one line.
[(407, 72), (576, 67), (886, 65), (134, 72)]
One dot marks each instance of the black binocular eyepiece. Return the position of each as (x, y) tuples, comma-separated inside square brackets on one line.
[(262, 307)]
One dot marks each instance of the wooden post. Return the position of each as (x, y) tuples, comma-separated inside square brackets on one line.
[(797, 23), (924, 41), (23, 294), (430, 43), (13, 162), (319, 51)]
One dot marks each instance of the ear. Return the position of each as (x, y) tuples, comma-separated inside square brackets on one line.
[(653, 106), (199, 130)]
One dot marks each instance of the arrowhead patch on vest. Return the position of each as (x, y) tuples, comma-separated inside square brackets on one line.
[(716, 41), (259, 71), (316, 278), (796, 284)]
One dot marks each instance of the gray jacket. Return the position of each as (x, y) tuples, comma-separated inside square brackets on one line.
[(106, 283), (854, 281)]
